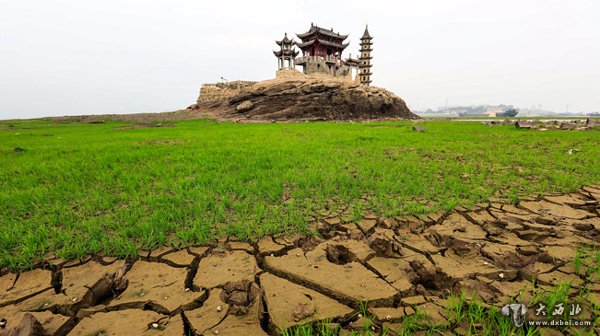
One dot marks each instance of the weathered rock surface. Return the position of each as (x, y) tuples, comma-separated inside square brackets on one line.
[(311, 99)]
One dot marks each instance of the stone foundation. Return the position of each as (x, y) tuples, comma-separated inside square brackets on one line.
[(221, 91), (289, 74)]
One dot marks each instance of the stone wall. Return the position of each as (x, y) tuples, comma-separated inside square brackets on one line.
[(221, 91)]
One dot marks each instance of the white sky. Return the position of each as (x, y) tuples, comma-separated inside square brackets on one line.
[(121, 56)]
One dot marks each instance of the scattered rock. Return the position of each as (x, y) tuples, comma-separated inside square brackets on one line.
[(29, 326), (244, 106), (592, 122), (239, 295), (567, 126), (523, 125)]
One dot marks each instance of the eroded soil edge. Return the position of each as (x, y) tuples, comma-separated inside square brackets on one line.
[(389, 266)]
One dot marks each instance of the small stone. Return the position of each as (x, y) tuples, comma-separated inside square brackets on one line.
[(486, 263), (166, 297), (74, 299), (155, 325), (388, 317), (359, 315), (501, 275), (219, 308), (216, 332), (244, 106), (187, 289), (297, 254)]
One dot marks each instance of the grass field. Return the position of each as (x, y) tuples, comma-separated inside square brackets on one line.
[(75, 189)]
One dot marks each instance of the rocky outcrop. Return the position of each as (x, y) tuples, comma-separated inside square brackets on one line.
[(311, 99)]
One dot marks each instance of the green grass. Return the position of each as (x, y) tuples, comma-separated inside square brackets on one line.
[(74, 189)]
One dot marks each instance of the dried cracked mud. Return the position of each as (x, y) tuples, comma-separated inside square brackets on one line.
[(395, 265)]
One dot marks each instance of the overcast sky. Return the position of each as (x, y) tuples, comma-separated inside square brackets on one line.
[(123, 56)]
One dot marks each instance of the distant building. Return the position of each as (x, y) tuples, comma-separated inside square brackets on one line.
[(481, 110), (322, 51)]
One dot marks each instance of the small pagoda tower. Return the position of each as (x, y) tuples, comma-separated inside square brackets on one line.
[(286, 53), (364, 66)]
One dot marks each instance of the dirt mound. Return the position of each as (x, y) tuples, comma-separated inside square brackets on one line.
[(310, 99), (376, 272)]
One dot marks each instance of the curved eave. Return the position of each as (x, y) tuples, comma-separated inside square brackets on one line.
[(315, 29), (307, 34), (332, 44), (322, 42), (305, 44), (329, 33), (288, 41)]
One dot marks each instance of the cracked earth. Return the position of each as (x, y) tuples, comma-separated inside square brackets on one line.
[(396, 265)]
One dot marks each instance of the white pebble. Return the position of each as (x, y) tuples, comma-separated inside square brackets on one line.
[(187, 289), (155, 325), (485, 263), (219, 308), (501, 275), (388, 317)]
